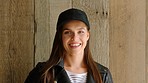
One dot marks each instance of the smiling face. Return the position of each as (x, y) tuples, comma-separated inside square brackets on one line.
[(75, 36)]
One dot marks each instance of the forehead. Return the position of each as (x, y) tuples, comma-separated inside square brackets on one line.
[(75, 24)]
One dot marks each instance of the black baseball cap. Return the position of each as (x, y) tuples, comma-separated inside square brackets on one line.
[(72, 14)]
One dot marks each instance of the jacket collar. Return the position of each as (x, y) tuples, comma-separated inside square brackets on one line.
[(89, 78), (62, 76), (61, 63)]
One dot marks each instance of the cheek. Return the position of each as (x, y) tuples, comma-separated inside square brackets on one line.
[(64, 40), (85, 38), (88, 36)]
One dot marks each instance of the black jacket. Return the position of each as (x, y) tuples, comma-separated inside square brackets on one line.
[(62, 77)]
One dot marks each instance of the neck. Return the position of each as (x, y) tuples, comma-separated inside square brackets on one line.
[(74, 60), (75, 63)]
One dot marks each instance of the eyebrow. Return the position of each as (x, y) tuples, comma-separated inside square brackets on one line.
[(66, 29), (77, 29)]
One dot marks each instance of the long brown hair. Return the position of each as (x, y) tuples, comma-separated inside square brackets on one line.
[(57, 54)]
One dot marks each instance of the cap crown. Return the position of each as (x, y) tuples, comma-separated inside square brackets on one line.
[(72, 14)]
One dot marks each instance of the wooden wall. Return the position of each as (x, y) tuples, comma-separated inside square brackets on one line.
[(16, 40), (127, 41), (146, 42), (118, 36), (146, 30)]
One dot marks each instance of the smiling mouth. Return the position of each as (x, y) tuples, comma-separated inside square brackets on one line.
[(74, 45)]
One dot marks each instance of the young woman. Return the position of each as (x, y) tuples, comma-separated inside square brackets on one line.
[(70, 60)]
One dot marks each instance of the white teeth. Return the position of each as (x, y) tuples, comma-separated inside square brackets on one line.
[(74, 44)]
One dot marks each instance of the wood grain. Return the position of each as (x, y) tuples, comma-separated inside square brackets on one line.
[(127, 41), (146, 41), (46, 14), (16, 40), (42, 41), (119, 36)]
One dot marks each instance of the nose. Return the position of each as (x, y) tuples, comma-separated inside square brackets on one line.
[(74, 36)]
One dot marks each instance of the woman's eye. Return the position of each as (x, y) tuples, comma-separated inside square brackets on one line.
[(67, 32), (81, 32)]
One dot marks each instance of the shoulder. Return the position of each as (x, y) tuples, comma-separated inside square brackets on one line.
[(102, 68), (35, 73), (38, 67), (105, 73)]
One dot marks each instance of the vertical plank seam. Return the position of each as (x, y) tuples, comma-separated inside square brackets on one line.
[(34, 37), (72, 3)]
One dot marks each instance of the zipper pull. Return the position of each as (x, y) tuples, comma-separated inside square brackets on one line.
[(54, 75)]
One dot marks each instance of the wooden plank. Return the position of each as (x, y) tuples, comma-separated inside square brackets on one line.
[(146, 41), (97, 11), (42, 41), (46, 14), (16, 40), (127, 41)]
